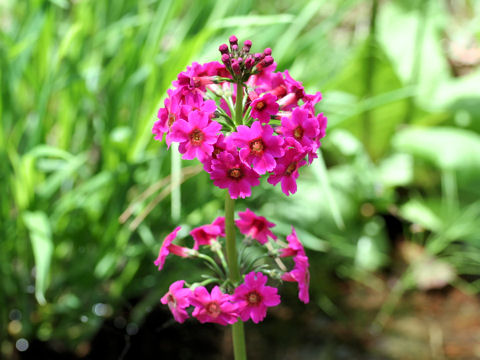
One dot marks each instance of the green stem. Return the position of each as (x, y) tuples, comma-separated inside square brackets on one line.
[(222, 259), (238, 333), (239, 105), (213, 264)]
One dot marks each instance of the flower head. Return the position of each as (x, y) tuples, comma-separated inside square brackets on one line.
[(227, 171), (177, 298), (254, 296), (215, 307), (257, 227), (191, 117)]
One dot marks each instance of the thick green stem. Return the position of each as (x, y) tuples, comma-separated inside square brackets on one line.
[(239, 105), (238, 333), (232, 259)]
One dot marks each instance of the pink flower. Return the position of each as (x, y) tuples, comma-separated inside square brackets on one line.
[(207, 107), (301, 127), (257, 227), (263, 107), (254, 297), (220, 222), (205, 234), (167, 115), (294, 86), (287, 167), (215, 307), (301, 275), (263, 76), (169, 248), (177, 298), (259, 147), (196, 136), (188, 80), (313, 99), (322, 124), (227, 171), (218, 147), (294, 247)]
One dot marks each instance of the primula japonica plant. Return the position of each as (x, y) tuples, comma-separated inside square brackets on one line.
[(242, 120)]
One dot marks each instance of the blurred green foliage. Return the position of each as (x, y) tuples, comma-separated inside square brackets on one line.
[(81, 83)]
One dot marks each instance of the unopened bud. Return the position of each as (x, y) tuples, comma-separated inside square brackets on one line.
[(267, 61), (249, 63), (236, 67), (226, 59), (258, 57), (233, 40), (234, 48), (267, 51), (223, 49), (246, 46)]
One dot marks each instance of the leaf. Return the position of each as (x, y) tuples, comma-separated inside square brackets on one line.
[(396, 170), (252, 20), (385, 106), (38, 226), (418, 212), (445, 147), (319, 169)]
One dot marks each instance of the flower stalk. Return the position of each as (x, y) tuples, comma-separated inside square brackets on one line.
[(238, 332), (269, 128)]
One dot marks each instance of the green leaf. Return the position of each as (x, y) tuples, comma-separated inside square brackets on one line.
[(38, 226), (418, 212), (319, 169), (445, 147)]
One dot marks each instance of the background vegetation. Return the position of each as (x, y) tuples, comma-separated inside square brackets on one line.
[(392, 208)]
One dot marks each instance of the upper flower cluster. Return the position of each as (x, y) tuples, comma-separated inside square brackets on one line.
[(249, 299), (242, 119)]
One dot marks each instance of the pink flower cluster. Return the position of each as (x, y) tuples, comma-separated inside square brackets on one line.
[(249, 299), (278, 134)]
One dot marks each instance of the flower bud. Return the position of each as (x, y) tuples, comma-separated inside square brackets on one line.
[(234, 48), (246, 46), (267, 61), (223, 49), (233, 40), (226, 59), (258, 57), (267, 51), (235, 67), (249, 63)]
